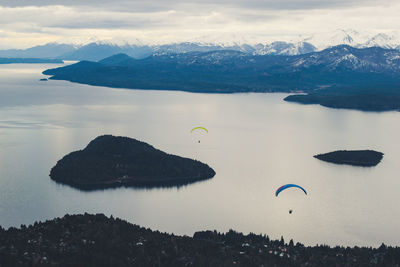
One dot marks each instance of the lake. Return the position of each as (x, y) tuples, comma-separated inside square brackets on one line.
[(256, 143)]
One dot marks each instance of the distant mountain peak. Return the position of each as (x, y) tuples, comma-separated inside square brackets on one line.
[(253, 45), (354, 38)]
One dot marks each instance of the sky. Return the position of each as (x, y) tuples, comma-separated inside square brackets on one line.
[(26, 23)]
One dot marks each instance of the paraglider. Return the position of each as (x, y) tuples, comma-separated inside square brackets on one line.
[(199, 128), (286, 186)]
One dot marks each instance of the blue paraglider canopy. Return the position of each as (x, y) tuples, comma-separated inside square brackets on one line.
[(286, 186)]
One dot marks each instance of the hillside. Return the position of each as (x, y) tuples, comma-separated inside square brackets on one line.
[(347, 76), (95, 240)]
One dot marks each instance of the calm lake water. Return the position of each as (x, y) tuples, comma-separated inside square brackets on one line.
[(256, 143)]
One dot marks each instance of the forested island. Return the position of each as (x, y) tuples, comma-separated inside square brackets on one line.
[(113, 161), (29, 60), (337, 77), (96, 240), (364, 158)]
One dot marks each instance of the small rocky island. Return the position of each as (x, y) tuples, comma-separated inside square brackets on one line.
[(364, 158), (113, 161)]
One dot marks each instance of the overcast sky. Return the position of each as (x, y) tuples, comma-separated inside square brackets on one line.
[(25, 23)]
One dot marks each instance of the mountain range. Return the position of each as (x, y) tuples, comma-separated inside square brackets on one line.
[(369, 77), (293, 46)]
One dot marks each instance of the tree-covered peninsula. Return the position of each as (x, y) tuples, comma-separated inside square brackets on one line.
[(337, 77)]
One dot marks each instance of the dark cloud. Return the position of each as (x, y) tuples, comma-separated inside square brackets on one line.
[(24, 23), (159, 5), (117, 5), (107, 24)]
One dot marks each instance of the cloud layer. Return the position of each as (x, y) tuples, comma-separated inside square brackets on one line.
[(27, 23)]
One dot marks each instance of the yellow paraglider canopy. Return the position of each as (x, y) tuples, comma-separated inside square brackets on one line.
[(199, 128)]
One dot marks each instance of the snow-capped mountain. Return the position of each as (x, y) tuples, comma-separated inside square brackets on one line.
[(372, 59), (342, 68), (252, 45), (342, 58), (328, 39), (353, 38), (304, 43), (390, 41), (284, 48)]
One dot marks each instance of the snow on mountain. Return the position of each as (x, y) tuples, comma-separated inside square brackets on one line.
[(353, 38), (342, 58), (268, 45), (373, 59), (284, 48), (328, 39), (250, 44), (384, 40), (300, 44)]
